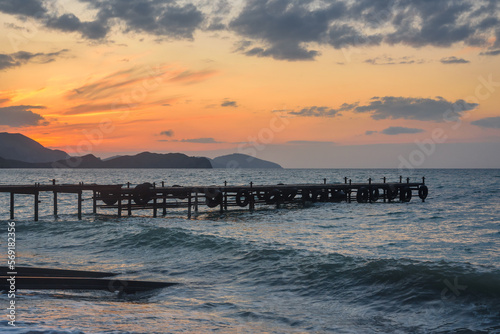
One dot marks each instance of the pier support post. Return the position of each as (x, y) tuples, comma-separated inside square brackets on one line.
[(129, 205), (155, 213), (94, 202), (196, 200), (36, 205), (189, 205), (55, 198), (164, 204), (55, 203), (252, 198), (11, 205), (370, 190), (120, 205), (80, 205), (221, 204)]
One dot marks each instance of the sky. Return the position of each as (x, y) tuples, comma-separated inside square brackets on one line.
[(304, 83)]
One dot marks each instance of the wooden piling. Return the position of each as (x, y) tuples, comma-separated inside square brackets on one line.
[(370, 190), (164, 203), (154, 207), (196, 200), (11, 205), (36, 205), (129, 204), (221, 204), (252, 198), (80, 205), (189, 205), (55, 203), (94, 202), (120, 205)]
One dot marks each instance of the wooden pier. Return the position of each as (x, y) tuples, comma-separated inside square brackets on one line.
[(159, 198)]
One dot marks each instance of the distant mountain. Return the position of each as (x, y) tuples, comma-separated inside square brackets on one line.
[(155, 160), (15, 146), (141, 160), (238, 160), (19, 151)]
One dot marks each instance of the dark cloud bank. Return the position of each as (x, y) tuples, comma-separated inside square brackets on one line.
[(19, 116), (8, 61), (391, 107), (286, 29)]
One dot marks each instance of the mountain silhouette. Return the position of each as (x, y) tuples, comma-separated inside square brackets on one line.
[(15, 146), (19, 151)]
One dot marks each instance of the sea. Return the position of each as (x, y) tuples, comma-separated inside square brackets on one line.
[(417, 267)]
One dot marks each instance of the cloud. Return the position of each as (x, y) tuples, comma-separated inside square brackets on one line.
[(200, 141), (315, 111), (386, 60), (422, 109), (19, 116), (88, 108), (30, 8), (370, 132), (192, 140), (454, 60), (288, 30), (159, 18), (488, 122), (398, 130), (309, 142), (114, 84), (229, 104), (8, 61), (168, 133), (190, 77), (490, 53)]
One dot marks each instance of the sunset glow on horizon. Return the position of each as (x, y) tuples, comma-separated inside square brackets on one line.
[(292, 80)]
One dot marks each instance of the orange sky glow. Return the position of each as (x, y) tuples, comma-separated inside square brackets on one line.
[(205, 91)]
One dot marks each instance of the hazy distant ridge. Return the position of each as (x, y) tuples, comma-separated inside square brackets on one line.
[(238, 160)]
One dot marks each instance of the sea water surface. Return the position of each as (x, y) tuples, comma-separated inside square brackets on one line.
[(414, 267)]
